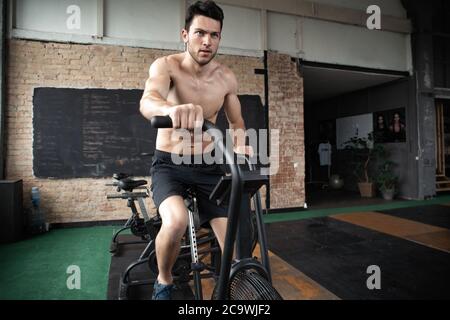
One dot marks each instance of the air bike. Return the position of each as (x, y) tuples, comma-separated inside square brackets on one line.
[(242, 278)]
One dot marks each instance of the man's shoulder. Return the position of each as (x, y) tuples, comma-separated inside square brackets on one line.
[(225, 70), (168, 64), (226, 74), (169, 61)]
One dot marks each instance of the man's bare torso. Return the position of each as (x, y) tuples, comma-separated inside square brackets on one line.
[(207, 90)]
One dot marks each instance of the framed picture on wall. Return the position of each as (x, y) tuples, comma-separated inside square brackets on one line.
[(359, 126), (389, 126)]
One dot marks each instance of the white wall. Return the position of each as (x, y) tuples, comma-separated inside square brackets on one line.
[(241, 28), (351, 45), (157, 24), (155, 20), (336, 43), (388, 7), (51, 16), (282, 33)]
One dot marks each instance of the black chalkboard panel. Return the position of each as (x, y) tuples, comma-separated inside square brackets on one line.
[(81, 133), (89, 133), (252, 112)]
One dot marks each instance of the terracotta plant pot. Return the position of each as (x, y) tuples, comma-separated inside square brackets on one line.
[(366, 189)]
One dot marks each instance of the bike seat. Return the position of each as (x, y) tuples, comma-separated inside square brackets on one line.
[(129, 184)]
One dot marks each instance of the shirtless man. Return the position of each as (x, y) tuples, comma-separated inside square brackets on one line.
[(188, 87)]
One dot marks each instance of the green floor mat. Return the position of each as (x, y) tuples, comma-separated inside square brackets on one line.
[(37, 268)]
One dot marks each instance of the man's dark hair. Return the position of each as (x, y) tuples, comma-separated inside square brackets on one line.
[(203, 8)]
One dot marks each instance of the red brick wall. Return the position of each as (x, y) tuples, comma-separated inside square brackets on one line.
[(37, 64), (287, 188)]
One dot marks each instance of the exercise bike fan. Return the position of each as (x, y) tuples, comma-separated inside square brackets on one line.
[(248, 284)]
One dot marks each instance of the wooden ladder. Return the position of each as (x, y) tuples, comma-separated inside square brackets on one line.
[(442, 183)]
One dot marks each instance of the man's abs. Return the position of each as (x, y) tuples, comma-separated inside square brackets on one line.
[(183, 141)]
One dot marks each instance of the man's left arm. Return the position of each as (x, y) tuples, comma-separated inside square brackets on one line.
[(232, 108)]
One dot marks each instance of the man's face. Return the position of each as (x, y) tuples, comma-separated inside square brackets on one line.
[(202, 39)]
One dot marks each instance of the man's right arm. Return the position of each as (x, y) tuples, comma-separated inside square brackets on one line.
[(154, 100)]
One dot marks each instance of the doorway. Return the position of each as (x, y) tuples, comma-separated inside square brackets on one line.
[(333, 93), (442, 145)]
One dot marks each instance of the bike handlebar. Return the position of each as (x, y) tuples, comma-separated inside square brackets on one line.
[(161, 122)]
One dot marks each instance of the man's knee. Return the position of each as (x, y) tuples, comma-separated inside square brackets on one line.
[(174, 216)]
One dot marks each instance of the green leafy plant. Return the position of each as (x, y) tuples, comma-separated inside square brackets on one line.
[(386, 179), (363, 153)]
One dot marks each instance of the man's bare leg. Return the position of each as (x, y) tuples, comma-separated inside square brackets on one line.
[(174, 223), (219, 226)]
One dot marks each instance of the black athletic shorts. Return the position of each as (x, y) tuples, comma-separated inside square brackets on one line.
[(170, 179)]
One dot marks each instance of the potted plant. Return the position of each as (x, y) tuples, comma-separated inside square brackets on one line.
[(363, 152), (387, 180)]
